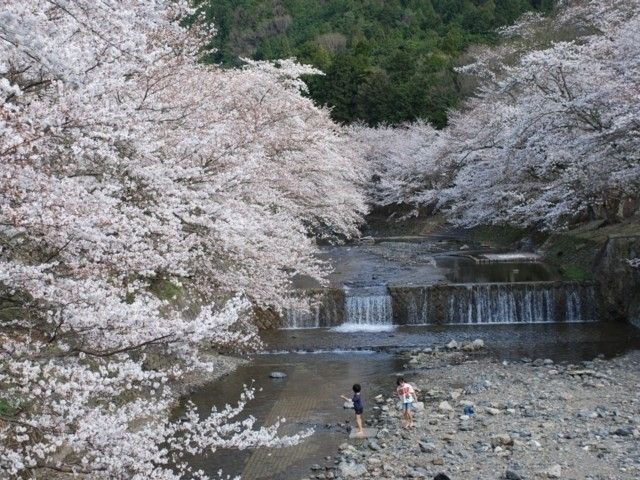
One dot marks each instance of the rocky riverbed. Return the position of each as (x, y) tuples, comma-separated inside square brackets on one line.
[(532, 419)]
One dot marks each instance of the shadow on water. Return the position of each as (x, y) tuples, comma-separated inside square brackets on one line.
[(309, 395)]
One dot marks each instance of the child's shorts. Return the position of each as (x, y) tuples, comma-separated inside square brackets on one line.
[(407, 405), (359, 411)]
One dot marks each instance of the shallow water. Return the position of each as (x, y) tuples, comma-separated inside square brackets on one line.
[(309, 396), (559, 341), (465, 270), (420, 263)]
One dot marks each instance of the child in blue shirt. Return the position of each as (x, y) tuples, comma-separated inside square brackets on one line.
[(358, 406)]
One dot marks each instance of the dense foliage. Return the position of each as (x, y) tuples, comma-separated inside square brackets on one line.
[(552, 138), (385, 61), (125, 160)]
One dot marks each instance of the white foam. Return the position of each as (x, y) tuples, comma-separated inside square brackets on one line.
[(511, 257), (363, 327)]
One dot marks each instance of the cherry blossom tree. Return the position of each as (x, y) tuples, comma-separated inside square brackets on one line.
[(555, 139), (552, 136), (403, 162), (126, 162)]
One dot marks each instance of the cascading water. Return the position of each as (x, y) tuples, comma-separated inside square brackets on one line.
[(521, 303), (367, 308), (378, 308), (493, 303), (294, 318), (580, 304), (489, 303)]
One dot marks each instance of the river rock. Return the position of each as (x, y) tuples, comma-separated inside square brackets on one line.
[(277, 375), (445, 407), (554, 471), (511, 475), (477, 344), (453, 345), (352, 469), (374, 462), (348, 404), (441, 476), (373, 445), (623, 432), (502, 439), (427, 447)]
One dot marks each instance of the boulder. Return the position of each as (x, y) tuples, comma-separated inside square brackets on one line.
[(277, 375), (445, 407)]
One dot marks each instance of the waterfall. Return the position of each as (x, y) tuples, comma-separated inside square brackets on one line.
[(294, 318), (377, 308), (501, 303), (580, 304), (367, 308), (490, 303)]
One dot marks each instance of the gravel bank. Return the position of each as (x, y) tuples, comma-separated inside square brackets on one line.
[(533, 419)]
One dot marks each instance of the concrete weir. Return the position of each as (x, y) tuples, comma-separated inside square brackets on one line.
[(465, 303), (488, 303)]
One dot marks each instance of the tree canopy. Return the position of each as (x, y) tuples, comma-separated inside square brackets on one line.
[(126, 162), (384, 61)]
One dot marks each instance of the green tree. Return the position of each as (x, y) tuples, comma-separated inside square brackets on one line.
[(385, 62)]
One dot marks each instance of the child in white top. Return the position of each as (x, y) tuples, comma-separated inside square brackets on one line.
[(407, 395)]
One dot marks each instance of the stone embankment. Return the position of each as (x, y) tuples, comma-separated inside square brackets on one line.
[(532, 419)]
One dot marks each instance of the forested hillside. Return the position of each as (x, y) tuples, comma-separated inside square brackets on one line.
[(385, 61)]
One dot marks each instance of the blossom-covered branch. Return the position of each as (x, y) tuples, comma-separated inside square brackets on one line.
[(127, 163)]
